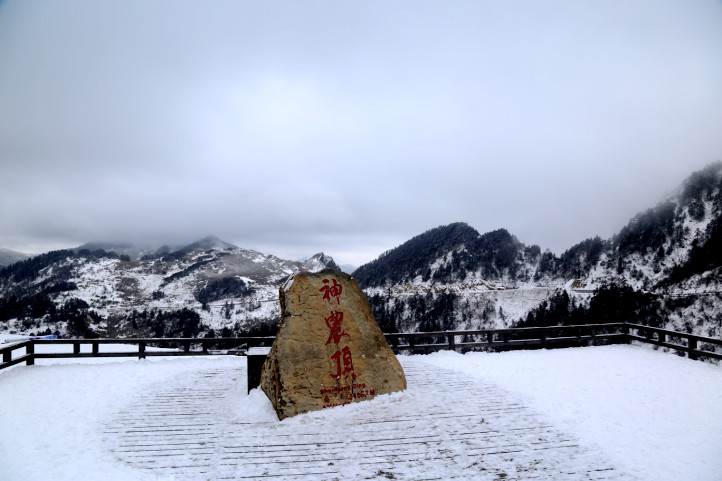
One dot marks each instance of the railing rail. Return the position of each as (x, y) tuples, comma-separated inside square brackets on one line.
[(11, 355), (510, 338), (9, 360), (694, 346)]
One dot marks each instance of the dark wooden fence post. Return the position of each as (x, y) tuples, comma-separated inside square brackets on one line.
[(255, 358), (452, 343), (141, 350), (76, 347), (186, 346), (7, 356), (95, 349), (30, 351), (692, 343)]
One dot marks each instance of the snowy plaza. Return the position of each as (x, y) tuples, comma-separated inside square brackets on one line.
[(612, 412)]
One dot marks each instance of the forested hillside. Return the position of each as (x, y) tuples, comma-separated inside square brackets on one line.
[(664, 268)]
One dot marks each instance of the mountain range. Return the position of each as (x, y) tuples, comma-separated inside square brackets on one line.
[(664, 268), (135, 251), (198, 289)]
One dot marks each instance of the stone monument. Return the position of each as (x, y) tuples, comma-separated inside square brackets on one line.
[(329, 351)]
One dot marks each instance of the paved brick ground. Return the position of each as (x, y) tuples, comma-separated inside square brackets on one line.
[(443, 427)]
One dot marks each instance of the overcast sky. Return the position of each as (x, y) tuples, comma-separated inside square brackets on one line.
[(293, 127)]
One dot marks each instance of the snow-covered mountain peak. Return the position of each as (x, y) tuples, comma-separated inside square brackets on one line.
[(208, 243), (319, 262)]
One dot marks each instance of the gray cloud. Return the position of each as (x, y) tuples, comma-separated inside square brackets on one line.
[(294, 127)]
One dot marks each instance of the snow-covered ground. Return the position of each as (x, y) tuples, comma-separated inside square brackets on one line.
[(654, 415)]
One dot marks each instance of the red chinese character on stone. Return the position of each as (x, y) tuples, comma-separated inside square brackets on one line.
[(334, 323), (331, 291), (347, 364)]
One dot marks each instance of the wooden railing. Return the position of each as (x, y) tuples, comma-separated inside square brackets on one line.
[(186, 347), (507, 339), (695, 347)]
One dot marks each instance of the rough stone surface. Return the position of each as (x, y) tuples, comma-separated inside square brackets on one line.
[(329, 351)]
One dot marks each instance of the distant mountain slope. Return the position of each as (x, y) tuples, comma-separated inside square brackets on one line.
[(148, 251), (347, 268), (672, 242), (452, 277), (185, 292), (8, 257), (663, 268), (210, 242), (451, 253), (132, 251)]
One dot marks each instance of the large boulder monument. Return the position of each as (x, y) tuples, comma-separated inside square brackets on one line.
[(329, 351)]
